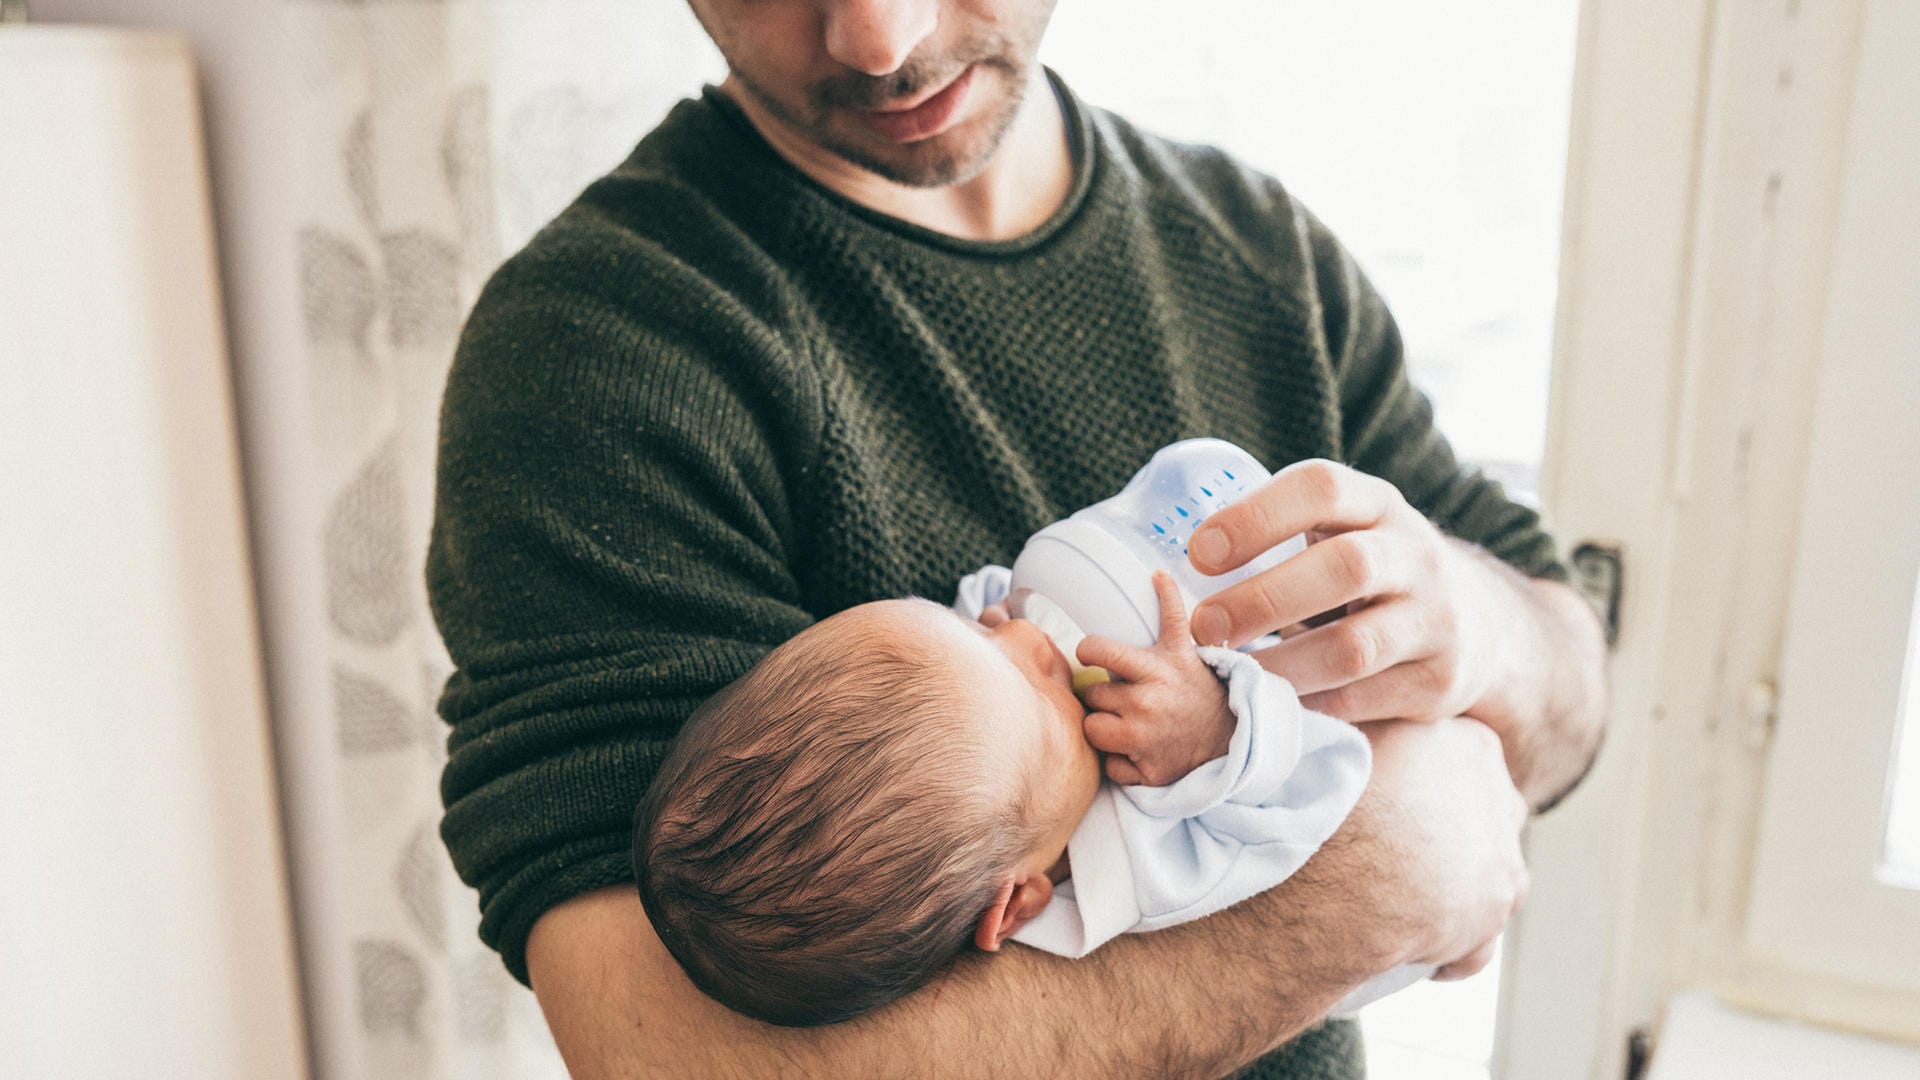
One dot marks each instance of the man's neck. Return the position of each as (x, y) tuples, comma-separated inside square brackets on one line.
[(1026, 181)]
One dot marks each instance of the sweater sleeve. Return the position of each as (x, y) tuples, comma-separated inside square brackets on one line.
[(1387, 425), (613, 540)]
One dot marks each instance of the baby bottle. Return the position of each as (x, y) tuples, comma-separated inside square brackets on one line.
[(1092, 573)]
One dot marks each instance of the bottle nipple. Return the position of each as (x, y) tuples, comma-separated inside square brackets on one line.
[(1085, 676), (1066, 635)]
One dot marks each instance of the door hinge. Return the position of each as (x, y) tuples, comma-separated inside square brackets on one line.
[(1599, 574), (1762, 711), (1639, 1053)]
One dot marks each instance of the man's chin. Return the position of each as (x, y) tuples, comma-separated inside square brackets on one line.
[(930, 163), (954, 156)]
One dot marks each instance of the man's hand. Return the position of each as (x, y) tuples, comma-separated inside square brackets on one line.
[(1421, 638), (1439, 790), (1169, 716), (1428, 626)]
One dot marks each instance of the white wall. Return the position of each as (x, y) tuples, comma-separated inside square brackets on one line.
[(144, 919), (243, 53)]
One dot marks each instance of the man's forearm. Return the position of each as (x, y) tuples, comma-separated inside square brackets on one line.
[(1426, 869), (1201, 999), (1552, 735)]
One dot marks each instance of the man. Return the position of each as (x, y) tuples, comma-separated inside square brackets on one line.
[(858, 322)]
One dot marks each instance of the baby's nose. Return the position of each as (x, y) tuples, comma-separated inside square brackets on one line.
[(1032, 637), (1022, 630)]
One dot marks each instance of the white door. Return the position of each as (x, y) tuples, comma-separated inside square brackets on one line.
[(1736, 390)]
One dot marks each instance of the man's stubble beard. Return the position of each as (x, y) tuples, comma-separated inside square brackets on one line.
[(923, 164)]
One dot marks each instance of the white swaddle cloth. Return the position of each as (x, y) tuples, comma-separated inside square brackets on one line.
[(1145, 858)]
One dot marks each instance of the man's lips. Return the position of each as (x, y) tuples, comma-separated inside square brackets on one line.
[(923, 119)]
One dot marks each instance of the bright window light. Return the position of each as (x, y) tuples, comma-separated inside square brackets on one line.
[(1432, 139), (1900, 863)]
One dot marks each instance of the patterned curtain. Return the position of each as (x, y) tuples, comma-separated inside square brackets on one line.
[(431, 139)]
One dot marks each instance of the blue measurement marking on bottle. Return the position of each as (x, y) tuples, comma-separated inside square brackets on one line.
[(1179, 510), (1207, 493), (1228, 474)]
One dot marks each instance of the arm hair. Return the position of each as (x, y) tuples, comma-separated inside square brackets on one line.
[(620, 1007)]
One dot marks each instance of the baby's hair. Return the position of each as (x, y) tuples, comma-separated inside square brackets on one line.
[(827, 831)]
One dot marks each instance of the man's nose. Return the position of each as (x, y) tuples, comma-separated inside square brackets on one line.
[(876, 36)]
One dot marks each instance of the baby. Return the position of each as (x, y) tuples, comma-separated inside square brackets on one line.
[(899, 780)]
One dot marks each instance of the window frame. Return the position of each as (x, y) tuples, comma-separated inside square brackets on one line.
[(1821, 902)]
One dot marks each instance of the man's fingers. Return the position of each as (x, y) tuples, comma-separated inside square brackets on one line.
[(1316, 494), (1337, 571), (1349, 649), (1470, 964), (1417, 690)]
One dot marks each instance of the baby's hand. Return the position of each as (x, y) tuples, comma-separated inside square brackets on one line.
[(1170, 715)]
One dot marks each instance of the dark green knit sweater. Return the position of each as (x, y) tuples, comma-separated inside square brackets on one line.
[(713, 402)]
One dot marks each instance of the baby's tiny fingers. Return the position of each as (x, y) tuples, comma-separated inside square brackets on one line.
[(1103, 697), (1173, 609), (1111, 733), (1121, 660), (1121, 770)]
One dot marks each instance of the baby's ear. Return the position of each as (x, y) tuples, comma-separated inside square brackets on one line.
[(1022, 896)]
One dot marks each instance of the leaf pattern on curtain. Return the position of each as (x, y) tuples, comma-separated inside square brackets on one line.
[(431, 138)]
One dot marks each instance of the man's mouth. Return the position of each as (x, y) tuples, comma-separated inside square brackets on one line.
[(916, 120)]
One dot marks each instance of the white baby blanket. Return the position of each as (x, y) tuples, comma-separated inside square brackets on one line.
[(1145, 858)]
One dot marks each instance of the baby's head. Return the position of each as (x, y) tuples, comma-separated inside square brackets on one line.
[(831, 829)]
